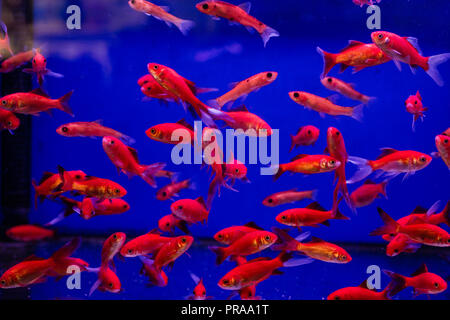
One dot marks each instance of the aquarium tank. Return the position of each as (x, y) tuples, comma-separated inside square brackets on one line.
[(187, 150)]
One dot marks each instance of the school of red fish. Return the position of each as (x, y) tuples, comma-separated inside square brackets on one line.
[(89, 196)]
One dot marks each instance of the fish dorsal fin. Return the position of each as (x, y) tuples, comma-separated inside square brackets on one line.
[(316, 240), (40, 92), (246, 6), (298, 157), (33, 258), (422, 269), (98, 121), (364, 285), (385, 152), (253, 225), (415, 43), (415, 220), (201, 201), (134, 153), (419, 209), (45, 176), (368, 181), (240, 108), (259, 259), (326, 150), (315, 206), (191, 85), (418, 95), (352, 43), (299, 129), (184, 123), (154, 231)]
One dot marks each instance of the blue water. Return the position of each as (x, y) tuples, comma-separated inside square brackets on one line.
[(104, 59)]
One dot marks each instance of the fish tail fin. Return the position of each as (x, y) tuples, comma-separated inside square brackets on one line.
[(214, 103), (446, 214), (183, 226), (383, 188), (357, 112), (148, 172), (185, 26), (337, 214), (366, 99), (285, 242), (433, 63), (329, 61), (67, 250), (287, 261), (364, 169), (390, 225), (64, 103), (127, 139), (292, 143), (268, 33), (221, 254), (211, 114), (397, 284)]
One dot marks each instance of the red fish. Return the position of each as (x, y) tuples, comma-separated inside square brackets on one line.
[(112, 246), (28, 232), (401, 243), (91, 129), (250, 123), (392, 162), (39, 68), (357, 54), (199, 292), (367, 193), (237, 14), (107, 281), (289, 196), (148, 243), (189, 210), (429, 215), (346, 89), (171, 251), (178, 86), (161, 13), (311, 216), (406, 50), (231, 234), (64, 262), (156, 278), (15, 61), (415, 107), (247, 293), (258, 270), (248, 244), (416, 229), (325, 105), (99, 188), (364, 293), (423, 281), (308, 164), (240, 90), (5, 47), (169, 222), (172, 189), (165, 131), (305, 136), (316, 248), (8, 121), (443, 147), (125, 159), (34, 102)]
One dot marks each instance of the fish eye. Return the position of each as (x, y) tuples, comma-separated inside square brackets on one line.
[(396, 250), (112, 142), (168, 224), (77, 177), (203, 293), (4, 102), (45, 60), (329, 80), (64, 129), (338, 133), (446, 141), (205, 6), (3, 282), (309, 132), (283, 218), (132, 1), (423, 159), (125, 206), (180, 207), (110, 285), (155, 67), (183, 240), (267, 238), (332, 162), (9, 123), (225, 281), (337, 298), (269, 75), (130, 251), (115, 236), (270, 200), (380, 36), (415, 102), (153, 131), (237, 170), (296, 95), (436, 285), (220, 236), (164, 193), (117, 191)]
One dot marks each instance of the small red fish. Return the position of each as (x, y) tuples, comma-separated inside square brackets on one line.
[(231, 234), (406, 50), (155, 277), (125, 159), (171, 251), (148, 243), (112, 246), (415, 107), (392, 162), (98, 188), (423, 281), (367, 193), (289, 196), (443, 146), (311, 216), (171, 132), (237, 14), (34, 102), (305, 136), (5, 47), (191, 211), (199, 292), (28, 232), (346, 89), (15, 61), (240, 118), (8, 121), (308, 164), (171, 190), (39, 68), (107, 281), (364, 293), (169, 222), (248, 244), (401, 243)]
